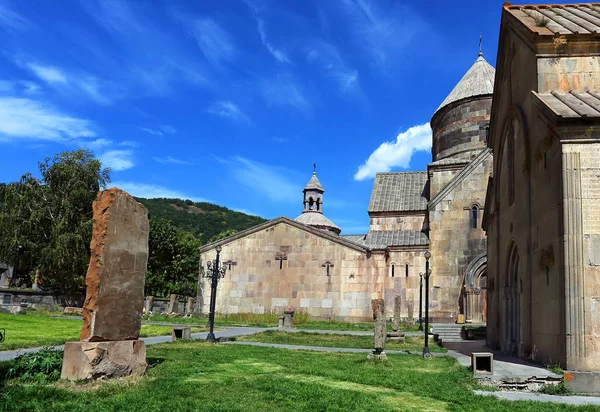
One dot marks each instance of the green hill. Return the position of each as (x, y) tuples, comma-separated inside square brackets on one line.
[(204, 220)]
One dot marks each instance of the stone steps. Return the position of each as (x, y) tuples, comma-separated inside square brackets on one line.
[(448, 332)]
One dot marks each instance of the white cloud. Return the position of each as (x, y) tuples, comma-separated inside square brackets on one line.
[(117, 159), (285, 90), (396, 153), (150, 191), (97, 144), (22, 118), (215, 42), (328, 58), (170, 159), (48, 74), (279, 54), (275, 183), (160, 130), (227, 109), (151, 131)]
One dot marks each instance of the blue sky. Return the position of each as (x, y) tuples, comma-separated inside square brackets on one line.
[(232, 101)]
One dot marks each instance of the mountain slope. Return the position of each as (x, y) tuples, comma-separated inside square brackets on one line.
[(204, 220)]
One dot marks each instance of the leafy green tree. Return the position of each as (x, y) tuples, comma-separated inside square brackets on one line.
[(173, 260), (51, 218), (223, 235)]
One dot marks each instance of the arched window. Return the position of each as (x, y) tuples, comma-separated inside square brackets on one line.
[(318, 204), (311, 203), (487, 134), (393, 268), (474, 213), (511, 165), (406, 270)]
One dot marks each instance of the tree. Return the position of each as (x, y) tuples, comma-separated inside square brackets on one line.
[(51, 218), (173, 260), (223, 235)]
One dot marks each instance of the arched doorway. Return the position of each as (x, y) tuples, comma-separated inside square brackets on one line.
[(512, 304), (474, 295)]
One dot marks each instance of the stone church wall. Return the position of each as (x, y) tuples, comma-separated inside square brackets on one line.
[(256, 284), (454, 243), (404, 283), (398, 221)]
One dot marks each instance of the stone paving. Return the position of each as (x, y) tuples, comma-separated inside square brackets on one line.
[(539, 397)]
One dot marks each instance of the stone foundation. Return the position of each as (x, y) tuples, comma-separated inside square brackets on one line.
[(583, 382), (103, 360)]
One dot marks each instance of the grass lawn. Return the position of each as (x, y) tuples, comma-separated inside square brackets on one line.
[(336, 341), (199, 376), (33, 330)]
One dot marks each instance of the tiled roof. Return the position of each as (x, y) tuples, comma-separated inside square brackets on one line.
[(454, 160), (314, 184), (478, 81), (360, 239), (572, 105), (551, 19), (380, 239), (316, 219), (399, 192)]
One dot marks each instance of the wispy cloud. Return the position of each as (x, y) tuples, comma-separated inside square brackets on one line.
[(396, 153), (279, 54), (22, 118), (382, 32), (11, 21), (117, 159), (170, 159), (73, 84), (160, 130), (213, 40), (19, 87), (328, 58), (229, 110), (274, 182), (97, 144), (285, 90), (151, 191)]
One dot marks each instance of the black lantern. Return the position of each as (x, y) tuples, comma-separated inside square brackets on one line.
[(214, 271), (421, 301), (426, 353)]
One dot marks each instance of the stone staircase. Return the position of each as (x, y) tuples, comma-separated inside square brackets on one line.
[(449, 332)]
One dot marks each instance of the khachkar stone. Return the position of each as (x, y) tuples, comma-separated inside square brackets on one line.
[(396, 334), (380, 329), (112, 310)]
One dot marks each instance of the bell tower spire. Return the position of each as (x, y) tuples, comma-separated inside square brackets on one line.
[(313, 194)]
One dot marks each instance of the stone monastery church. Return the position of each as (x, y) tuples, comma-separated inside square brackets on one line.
[(305, 263)]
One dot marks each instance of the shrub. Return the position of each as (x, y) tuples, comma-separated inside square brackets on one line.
[(38, 367)]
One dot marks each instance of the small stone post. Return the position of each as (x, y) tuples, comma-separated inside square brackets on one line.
[(172, 302), (380, 328), (149, 304), (280, 324), (288, 319), (397, 309), (410, 307), (112, 312), (189, 307)]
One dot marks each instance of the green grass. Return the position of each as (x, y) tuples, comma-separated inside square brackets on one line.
[(34, 330), (198, 376), (335, 341)]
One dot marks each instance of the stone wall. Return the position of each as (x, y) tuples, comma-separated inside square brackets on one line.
[(459, 128), (398, 221), (39, 300), (259, 283), (407, 287)]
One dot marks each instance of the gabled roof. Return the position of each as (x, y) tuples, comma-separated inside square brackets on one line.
[(313, 218), (382, 239), (399, 192), (283, 219), (314, 184), (478, 81), (551, 19), (571, 105)]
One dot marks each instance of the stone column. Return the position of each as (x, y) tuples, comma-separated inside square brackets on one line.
[(380, 329), (112, 310), (172, 302), (410, 307), (189, 307), (149, 303), (288, 319), (397, 310)]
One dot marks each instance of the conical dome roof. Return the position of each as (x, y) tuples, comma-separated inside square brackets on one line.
[(314, 184), (478, 81)]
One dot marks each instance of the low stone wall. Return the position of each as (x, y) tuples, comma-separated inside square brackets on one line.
[(39, 300)]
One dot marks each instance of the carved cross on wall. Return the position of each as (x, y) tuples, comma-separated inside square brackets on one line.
[(327, 265), (230, 263), (280, 257)]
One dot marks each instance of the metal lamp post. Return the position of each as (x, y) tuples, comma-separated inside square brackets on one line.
[(426, 353), (421, 301), (214, 272)]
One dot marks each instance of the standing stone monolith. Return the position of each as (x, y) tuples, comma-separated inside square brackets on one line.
[(189, 307), (396, 334), (380, 329), (112, 310), (410, 307), (172, 303)]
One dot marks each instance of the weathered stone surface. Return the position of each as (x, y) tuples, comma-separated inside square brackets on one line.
[(288, 319), (115, 279), (397, 312), (103, 360), (181, 333), (148, 303), (380, 329), (410, 308), (189, 306), (172, 303)]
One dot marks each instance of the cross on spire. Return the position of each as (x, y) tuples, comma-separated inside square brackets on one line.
[(480, 41), (315, 167)]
